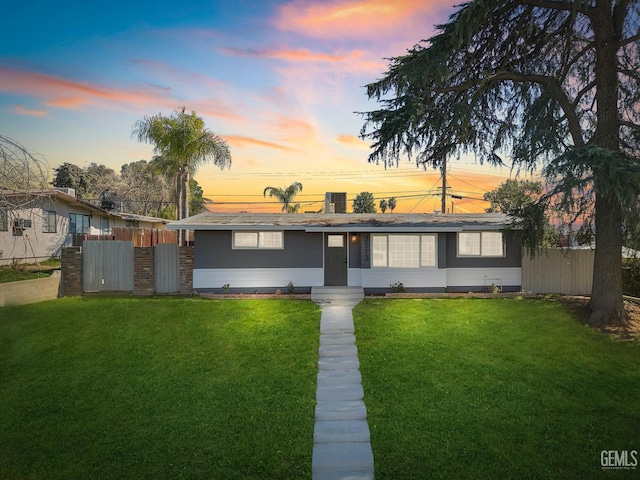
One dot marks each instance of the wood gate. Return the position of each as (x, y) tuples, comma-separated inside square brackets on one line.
[(107, 266), (166, 261)]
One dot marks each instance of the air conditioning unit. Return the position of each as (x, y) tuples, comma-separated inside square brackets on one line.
[(67, 191), (335, 202), (21, 223)]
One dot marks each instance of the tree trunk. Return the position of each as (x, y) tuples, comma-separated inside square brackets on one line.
[(185, 201), (606, 294), (179, 204)]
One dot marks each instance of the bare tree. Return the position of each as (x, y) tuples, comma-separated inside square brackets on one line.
[(23, 177)]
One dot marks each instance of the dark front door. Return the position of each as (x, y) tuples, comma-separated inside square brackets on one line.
[(335, 259)]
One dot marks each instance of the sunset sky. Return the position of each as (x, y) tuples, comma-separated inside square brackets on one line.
[(279, 80)]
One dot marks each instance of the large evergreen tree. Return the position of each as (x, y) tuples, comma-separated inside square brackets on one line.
[(539, 81)]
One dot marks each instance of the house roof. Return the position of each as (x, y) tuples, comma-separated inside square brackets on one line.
[(63, 195), (32, 195), (140, 218), (343, 222)]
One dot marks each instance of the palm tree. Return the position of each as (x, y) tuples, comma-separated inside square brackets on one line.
[(393, 202), (285, 196), (181, 143), (383, 205)]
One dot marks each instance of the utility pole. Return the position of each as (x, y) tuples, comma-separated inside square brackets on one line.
[(443, 207)]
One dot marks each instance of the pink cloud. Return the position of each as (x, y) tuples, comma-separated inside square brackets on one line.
[(66, 102), (351, 18), (290, 54), (351, 141), (64, 93), (239, 141), (22, 110), (58, 92)]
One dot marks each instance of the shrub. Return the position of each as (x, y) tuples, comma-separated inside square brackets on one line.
[(398, 287)]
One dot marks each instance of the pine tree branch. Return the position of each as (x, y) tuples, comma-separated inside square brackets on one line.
[(551, 5), (630, 125)]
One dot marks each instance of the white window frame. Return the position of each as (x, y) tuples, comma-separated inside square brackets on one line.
[(262, 240), (49, 221), (482, 240), (382, 258)]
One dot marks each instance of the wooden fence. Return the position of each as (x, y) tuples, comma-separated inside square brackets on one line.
[(568, 272), (141, 237)]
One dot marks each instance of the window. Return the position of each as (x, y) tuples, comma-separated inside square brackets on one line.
[(4, 222), (258, 240), (428, 249), (480, 244), (78, 223), (403, 251), (49, 222), (132, 223), (104, 225), (335, 241)]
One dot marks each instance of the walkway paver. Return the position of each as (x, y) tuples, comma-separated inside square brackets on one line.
[(341, 438)]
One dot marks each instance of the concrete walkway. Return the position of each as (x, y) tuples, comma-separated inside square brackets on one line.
[(341, 443)]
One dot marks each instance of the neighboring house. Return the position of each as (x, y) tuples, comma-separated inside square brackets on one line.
[(426, 253), (47, 220)]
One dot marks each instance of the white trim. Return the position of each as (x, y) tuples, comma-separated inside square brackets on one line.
[(410, 277), (354, 277), (478, 277), (257, 277)]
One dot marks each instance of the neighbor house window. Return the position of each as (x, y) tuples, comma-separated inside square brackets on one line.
[(258, 240), (403, 251), (104, 225), (132, 224), (49, 222), (4, 222), (480, 244), (79, 223)]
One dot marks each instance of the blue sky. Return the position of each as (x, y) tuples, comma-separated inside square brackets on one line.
[(279, 80)]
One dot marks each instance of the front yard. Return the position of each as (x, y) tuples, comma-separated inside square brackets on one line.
[(460, 388), (157, 388)]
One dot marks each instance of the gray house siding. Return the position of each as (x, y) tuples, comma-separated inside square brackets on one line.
[(301, 261), (214, 249)]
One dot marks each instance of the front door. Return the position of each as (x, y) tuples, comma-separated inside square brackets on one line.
[(335, 259)]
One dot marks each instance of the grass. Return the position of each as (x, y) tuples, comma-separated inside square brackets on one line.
[(157, 388), (8, 274), (28, 271), (462, 388)]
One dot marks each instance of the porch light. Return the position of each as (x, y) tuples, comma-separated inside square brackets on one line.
[(354, 238)]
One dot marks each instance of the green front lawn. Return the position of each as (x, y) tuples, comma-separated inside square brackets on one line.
[(157, 388), (462, 388)]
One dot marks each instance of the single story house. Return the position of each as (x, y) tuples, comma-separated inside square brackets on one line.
[(46, 221), (426, 253)]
